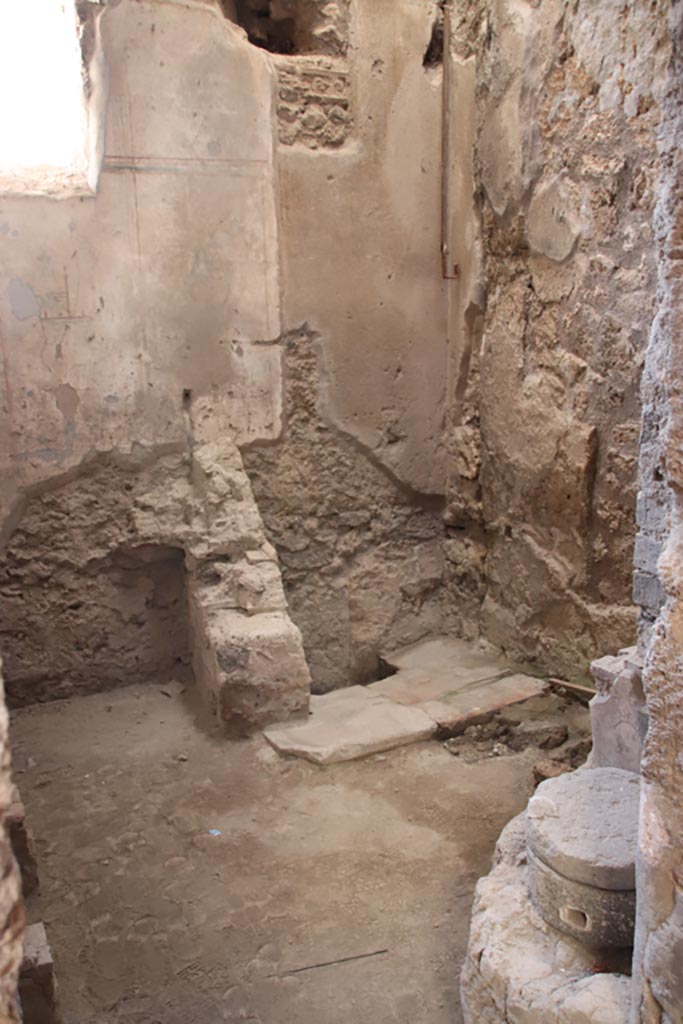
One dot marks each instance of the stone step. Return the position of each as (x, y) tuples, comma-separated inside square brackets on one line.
[(351, 723), (440, 684)]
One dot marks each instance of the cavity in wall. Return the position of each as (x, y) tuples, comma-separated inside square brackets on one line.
[(311, 42)]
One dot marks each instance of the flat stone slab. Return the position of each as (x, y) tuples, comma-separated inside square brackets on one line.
[(585, 826), (439, 684), (448, 663), (348, 724), (456, 710), (455, 682)]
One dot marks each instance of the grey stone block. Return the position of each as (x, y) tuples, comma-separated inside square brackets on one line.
[(619, 722), (648, 592), (646, 554), (633, 657), (651, 513), (605, 671)]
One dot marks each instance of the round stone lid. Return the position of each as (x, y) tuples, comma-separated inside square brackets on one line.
[(584, 825)]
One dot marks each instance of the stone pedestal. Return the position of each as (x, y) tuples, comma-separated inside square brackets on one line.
[(519, 969), (581, 837)]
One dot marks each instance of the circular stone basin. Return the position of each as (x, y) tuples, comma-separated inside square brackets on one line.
[(581, 834)]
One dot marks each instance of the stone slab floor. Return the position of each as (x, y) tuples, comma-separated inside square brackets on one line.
[(366, 867)]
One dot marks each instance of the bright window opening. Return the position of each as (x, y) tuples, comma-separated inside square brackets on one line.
[(43, 112)]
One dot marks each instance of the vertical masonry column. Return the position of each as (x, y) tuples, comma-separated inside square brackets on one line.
[(248, 654)]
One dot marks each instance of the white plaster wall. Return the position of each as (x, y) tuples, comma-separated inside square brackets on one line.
[(361, 248), (166, 280)]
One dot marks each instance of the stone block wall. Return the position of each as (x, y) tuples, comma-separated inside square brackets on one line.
[(352, 492), (311, 40), (632, 55)]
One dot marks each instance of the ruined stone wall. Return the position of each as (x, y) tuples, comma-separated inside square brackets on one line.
[(351, 494), (87, 603), (137, 566), (658, 961), (138, 342), (121, 308), (361, 554), (311, 39), (545, 411)]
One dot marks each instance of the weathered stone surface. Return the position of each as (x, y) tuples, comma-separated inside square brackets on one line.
[(605, 671), (456, 710), (658, 964), (349, 724), (552, 222), (383, 383), (447, 663), (455, 682), (601, 918), (314, 103), (251, 666), (167, 281), (585, 826), (547, 375), (619, 722), (518, 969), (98, 578), (362, 560)]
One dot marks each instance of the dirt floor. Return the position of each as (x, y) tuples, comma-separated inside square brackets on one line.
[(187, 879)]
